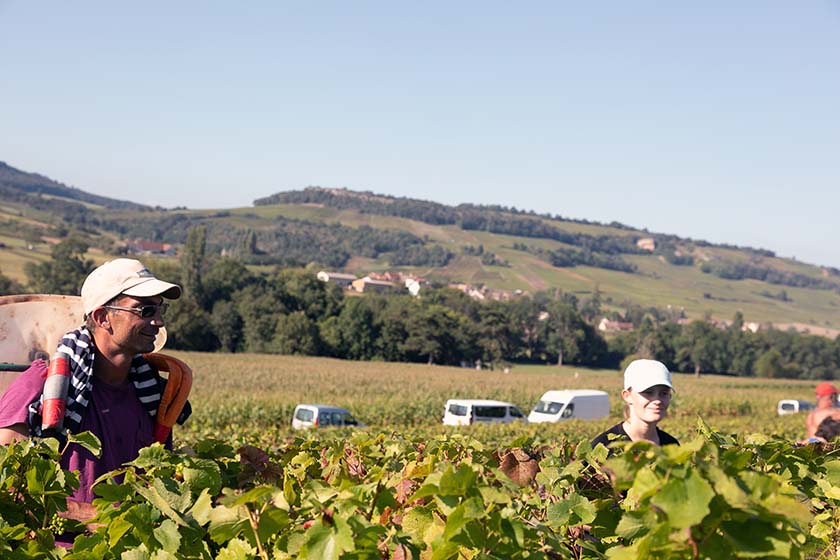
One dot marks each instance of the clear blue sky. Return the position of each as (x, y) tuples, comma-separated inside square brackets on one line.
[(713, 120)]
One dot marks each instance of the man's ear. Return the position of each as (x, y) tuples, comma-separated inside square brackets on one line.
[(100, 317)]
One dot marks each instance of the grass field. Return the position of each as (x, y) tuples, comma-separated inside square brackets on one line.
[(250, 397)]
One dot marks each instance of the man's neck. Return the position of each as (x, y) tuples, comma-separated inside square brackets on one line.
[(111, 366)]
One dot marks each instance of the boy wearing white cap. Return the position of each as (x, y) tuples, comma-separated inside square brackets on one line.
[(647, 394), (112, 392)]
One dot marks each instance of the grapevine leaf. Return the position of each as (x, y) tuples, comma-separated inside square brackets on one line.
[(34, 480), (685, 501), (574, 510), (154, 497), (202, 508), (88, 441), (624, 553), (756, 538), (832, 471), (117, 529), (515, 531), (149, 457), (822, 530), (139, 553), (493, 495), (417, 523), (444, 550), (168, 536), (520, 466), (325, 542), (227, 523), (457, 482), (635, 523), (424, 491), (461, 515), (728, 488), (646, 484), (206, 474), (237, 549), (831, 491), (272, 522), (110, 492), (683, 453), (256, 495)]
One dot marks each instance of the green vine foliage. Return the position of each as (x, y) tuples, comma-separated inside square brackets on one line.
[(362, 495)]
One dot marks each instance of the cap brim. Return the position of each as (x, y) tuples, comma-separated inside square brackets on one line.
[(664, 382), (154, 287)]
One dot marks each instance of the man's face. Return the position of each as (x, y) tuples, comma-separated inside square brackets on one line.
[(130, 331)]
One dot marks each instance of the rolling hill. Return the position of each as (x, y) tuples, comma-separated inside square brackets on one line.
[(502, 248)]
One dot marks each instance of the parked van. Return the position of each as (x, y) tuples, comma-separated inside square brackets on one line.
[(584, 404), (792, 406), (462, 412), (319, 415)]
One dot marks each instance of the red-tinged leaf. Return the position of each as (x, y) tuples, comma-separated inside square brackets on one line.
[(404, 489), (253, 457), (385, 516), (401, 552), (520, 466)]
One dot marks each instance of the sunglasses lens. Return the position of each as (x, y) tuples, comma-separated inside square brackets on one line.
[(147, 311)]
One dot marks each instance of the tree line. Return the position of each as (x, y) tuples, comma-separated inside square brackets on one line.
[(730, 270), (227, 307)]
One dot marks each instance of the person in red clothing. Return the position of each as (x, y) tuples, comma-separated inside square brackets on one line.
[(647, 394), (113, 392), (827, 408)]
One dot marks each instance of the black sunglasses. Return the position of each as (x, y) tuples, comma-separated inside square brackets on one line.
[(145, 311)]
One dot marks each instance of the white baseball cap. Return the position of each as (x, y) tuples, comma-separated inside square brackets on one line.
[(644, 374), (123, 276)]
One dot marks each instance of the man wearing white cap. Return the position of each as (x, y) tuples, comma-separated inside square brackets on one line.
[(647, 394), (113, 392)]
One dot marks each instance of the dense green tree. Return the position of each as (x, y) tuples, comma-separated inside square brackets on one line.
[(440, 335), (769, 364), (9, 286), (259, 309), (393, 330), (353, 333), (526, 315), (300, 290), (64, 273), (188, 327), (192, 265), (496, 337), (227, 325), (700, 347), (563, 329), (455, 300), (223, 278), (296, 334)]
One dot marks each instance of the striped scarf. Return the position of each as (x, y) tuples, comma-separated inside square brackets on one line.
[(79, 347)]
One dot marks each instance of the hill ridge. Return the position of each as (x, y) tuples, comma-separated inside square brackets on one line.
[(502, 248)]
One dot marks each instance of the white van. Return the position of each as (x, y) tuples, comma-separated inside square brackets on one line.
[(319, 415), (462, 412), (792, 406), (584, 404)]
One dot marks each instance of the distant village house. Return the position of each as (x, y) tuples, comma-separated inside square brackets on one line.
[(646, 243), (143, 247), (340, 278), (607, 325), (368, 284), (483, 293)]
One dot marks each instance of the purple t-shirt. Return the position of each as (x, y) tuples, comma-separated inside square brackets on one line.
[(114, 415)]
